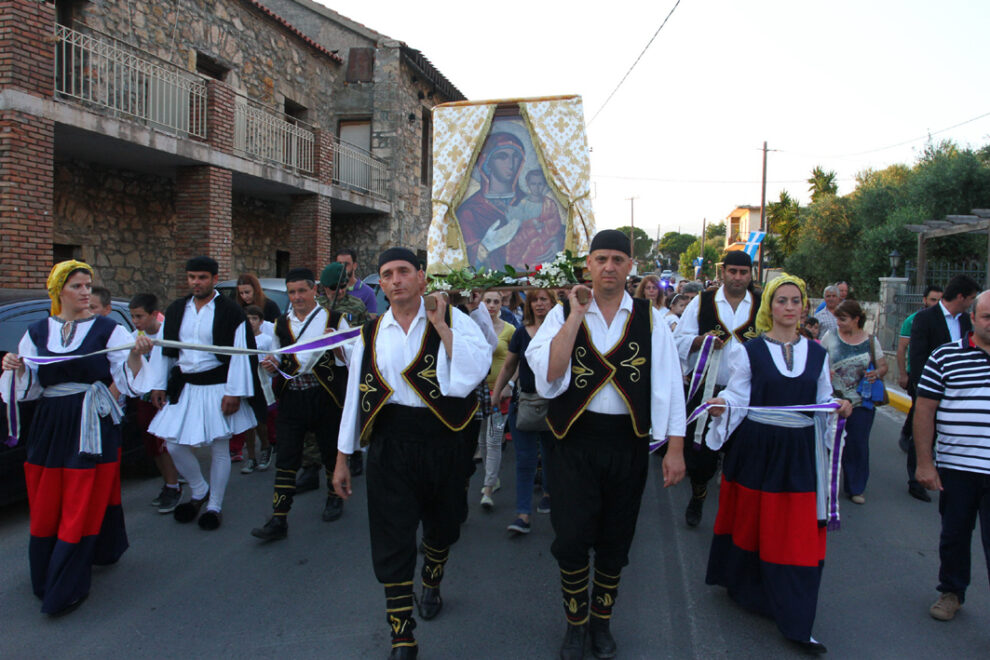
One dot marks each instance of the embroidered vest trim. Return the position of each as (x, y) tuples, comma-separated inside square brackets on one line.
[(331, 377), (709, 320)]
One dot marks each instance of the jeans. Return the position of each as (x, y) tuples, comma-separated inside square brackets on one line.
[(856, 454), (529, 446)]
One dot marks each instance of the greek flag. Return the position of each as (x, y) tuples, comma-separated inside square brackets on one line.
[(698, 263), (753, 244)]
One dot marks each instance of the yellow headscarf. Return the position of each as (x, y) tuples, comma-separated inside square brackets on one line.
[(764, 318), (56, 280)]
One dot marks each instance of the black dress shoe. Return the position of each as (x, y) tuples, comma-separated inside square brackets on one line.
[(210, 520), (602, 642), (810, 647), (356, 464), (430, 603), (187, 512), (70, 608), (573, 646), (334, 508), (276, 529), (918, 492), (692, 516), (403, 653), (308, 479)]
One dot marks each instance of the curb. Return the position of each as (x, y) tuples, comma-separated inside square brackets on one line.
[(899, 400)]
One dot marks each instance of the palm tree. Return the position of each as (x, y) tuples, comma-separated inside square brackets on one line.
[(822, 183), (783, 220)]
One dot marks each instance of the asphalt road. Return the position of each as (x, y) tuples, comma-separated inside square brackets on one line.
[(182, 592)]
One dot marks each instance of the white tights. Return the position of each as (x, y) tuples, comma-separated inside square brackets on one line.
[(188, 466)]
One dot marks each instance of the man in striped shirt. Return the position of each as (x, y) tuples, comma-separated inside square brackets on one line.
[(954, 401)]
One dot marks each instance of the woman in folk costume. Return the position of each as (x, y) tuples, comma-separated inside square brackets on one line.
[(73, 446), (769, 543)]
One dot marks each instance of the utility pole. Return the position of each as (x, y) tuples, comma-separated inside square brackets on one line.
[(763, 215), (701, 252), (632, 227)]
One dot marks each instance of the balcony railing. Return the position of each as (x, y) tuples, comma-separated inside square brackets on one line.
[(98, 69), (266, 134), (355, 168)]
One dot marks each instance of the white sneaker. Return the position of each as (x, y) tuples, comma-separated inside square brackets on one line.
[(249, 466), (487, 503)]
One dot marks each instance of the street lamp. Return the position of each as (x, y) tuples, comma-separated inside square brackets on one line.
[(895, 261)]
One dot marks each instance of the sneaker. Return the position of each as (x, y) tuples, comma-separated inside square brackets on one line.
[(544, 505), (264, 460), (497, 487), (158, 498), (519, 526), (236, 456), (858, 499), (249, 466), (487, 503), (169, 499), (945, 607)]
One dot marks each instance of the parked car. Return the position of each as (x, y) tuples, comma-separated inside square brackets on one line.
[(274, 288), (19, 309)]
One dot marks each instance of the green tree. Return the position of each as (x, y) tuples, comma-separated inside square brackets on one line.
[(715, 232), (713, 255), (822, 184), (826, 247), (644, 244), (783, 219), (672, 244)]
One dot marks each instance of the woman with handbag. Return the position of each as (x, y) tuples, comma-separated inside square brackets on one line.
[(492, 432), (858, 368), (528, 426)]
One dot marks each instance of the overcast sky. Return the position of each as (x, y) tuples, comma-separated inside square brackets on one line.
[(821, 82)]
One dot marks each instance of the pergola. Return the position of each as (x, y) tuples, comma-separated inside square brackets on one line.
[(977, 223)]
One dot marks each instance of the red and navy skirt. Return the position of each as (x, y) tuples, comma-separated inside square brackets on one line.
[(76, 514), (769, 549)]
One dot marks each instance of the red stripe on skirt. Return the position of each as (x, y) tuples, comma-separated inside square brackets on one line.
[(71, 503), (781, 527)]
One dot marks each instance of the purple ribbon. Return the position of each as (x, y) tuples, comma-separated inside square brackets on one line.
[(833, 500), (698, 375), (13, 420)]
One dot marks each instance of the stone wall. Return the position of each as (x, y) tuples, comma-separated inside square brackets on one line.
[(266, 61), (123, 222)]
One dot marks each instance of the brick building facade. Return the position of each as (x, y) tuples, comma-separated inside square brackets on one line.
[(134, 135)]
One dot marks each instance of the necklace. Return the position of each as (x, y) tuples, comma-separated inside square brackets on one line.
[(787, 347)]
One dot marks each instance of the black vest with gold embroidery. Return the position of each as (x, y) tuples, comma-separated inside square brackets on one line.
[(332, 378), (420, 375), (626, 366), (710, 321)]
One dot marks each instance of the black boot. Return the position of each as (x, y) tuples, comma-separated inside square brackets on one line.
[(572, 648), (604, 591), (308, 479), (399, 602), (434, 560), (692, 516), (602, 642), (276, 529), (333, 509), (186, 513)]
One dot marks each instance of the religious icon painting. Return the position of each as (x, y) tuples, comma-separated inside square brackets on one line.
[(510, 184)]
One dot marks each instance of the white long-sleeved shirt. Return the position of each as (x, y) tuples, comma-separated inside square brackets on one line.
[(29, 388), (687, 329), (667, 413), (457, 374), (314, 330), (197, 328), (741, 377)]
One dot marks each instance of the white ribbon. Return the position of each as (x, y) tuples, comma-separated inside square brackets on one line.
[(97, 402)]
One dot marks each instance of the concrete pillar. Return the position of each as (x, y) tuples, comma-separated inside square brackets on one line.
[(309, 232), (203, 217), (27, 143)]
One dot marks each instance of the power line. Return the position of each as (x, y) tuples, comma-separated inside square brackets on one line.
[(891, 146), (723, 181), (649, 43)]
